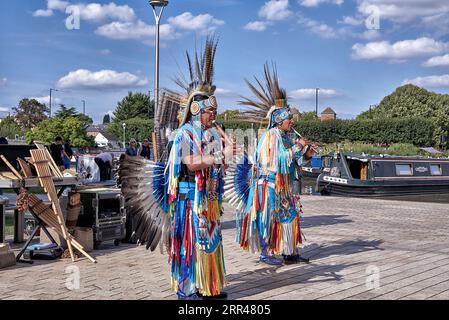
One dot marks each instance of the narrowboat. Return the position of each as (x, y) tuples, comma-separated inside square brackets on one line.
[(382, 176), (315, 166)]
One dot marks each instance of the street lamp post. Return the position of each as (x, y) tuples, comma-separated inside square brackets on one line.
[(124, 135), (316, 101), (84, 106), (51, 89), (157, 16)]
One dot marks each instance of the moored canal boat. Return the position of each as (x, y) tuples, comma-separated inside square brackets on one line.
[(378, 176)]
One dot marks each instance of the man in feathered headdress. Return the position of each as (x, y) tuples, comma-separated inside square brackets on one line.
[(181, 201), (270, 221), (195, 180)]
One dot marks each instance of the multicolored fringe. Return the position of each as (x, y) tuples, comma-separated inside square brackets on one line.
[(261, 221), (210, 271), (194, 265)]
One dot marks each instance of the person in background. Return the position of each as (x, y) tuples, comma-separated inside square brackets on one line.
[(132, 149), (104, 162), (67, 154), (56, 152), (145, 150)]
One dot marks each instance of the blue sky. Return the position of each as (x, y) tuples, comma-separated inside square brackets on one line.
[(355, 51)]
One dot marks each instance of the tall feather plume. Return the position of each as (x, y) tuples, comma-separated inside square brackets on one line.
[(201, 68), (266, 95)]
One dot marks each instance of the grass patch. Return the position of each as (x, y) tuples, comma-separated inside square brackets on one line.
[(9, 225)]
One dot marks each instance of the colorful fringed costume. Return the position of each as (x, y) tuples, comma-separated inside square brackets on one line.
[(268, 210), (181, 206), (272, 214), (194, 205)]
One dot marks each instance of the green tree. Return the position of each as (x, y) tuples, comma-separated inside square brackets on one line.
[(228, 115), (106, 119), (66, 112), (136, 128), (72, 128), (134, 105), (410, 101), (29, 113), (308, 116), (9, 128)]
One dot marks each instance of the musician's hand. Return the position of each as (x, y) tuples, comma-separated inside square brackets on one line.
[(232, 150), (302, 141)]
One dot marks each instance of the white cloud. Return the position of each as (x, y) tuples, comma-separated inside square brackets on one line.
[(306, 94), (223, 92), (3, 82), (203, 23), (97, 12), (93, 12), (351, 21), (439, 61), (46, 100), (404, 11), (4, 109), (124, 24), (105, 52), (400, 50), (139, 30), (437, 81), (316, 3), (135, 30), (275, 10), (43, 13), (57, 5), (100, 80), (370, 35), (257, 25), (319, 28)]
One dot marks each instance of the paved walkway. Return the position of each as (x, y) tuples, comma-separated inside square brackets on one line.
[(360, 249)]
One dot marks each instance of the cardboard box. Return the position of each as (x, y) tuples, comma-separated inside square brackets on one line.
[(7, 257), (4, 248), (85, 236), (7, 260)]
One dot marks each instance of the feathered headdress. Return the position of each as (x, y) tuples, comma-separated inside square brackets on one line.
[(201, 74), (271, 99)]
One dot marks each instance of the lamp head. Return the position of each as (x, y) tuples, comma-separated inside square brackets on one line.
[(158, 3)]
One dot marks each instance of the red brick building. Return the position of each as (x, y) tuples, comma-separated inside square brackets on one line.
[(328, 113)]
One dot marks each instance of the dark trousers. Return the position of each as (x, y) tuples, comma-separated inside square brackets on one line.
[(104, 169)]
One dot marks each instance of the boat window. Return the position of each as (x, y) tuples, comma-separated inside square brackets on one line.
[(435, 169), (404, 169)]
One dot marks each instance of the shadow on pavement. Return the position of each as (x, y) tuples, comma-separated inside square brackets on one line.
[(266, 279)]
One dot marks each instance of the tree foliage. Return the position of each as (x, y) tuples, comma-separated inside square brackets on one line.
[(72, 128), (106, 119), (66, 112), (29, 113), (136, 128), (410, 101), (134, 105), (9, 128)]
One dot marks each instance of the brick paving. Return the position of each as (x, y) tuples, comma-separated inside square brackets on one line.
[(359, 249)]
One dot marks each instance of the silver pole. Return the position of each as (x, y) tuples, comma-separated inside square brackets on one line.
[(156, 67)]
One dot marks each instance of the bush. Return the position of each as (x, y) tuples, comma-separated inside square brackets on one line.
[(418, 132)]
